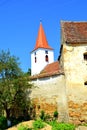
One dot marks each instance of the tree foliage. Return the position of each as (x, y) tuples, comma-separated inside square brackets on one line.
[(13, 85)]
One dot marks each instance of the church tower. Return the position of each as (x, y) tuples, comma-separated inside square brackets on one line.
[(42, 54)]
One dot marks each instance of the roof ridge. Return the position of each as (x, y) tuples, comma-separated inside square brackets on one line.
[(64, 21)]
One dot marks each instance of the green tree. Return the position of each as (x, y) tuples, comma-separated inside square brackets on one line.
[(13, 85), (29, 71)]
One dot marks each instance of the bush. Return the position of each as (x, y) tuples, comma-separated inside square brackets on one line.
[(22, 127), (55, 114), (42, 115), (62, 126), (53, 123), (3, 123), (38, 124), (45, 117)]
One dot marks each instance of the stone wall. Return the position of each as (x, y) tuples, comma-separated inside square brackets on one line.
[(50, 95), (75, 69), (78, 112)]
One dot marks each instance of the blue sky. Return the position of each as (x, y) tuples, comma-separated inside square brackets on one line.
[(20, 20)]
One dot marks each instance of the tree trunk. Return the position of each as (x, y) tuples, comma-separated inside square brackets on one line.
[(7, 113), (7, 110)]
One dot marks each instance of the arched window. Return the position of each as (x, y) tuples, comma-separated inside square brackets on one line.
[(35, 59), (46, 58)]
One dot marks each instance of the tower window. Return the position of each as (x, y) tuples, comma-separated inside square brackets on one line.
[(85, 56), (46, 52), (35, 53), (46, 58), (35, 59)]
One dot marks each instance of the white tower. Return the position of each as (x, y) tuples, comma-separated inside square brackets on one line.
[(42, 54)]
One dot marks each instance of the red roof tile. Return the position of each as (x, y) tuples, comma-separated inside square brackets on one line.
[(74, 32), (41, 41), (50, 70)]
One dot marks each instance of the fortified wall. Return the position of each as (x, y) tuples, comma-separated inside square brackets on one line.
[(73, 60), (66, 92), (50, 95), (75, 69)]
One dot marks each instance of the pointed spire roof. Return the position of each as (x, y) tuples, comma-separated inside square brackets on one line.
[(41, 41)]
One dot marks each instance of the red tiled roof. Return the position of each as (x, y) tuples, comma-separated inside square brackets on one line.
[(50, 70), (41, 41), (74, 32)]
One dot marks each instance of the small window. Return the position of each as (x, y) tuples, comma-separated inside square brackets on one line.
[(85, 83), (46, 58), (35, 59), (46, 52), (35, 53), (85, 56)]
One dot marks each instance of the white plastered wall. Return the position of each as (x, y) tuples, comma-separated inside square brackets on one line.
[(40, 60)]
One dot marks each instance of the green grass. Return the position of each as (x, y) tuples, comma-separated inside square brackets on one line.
[(38, 124), (61, 126), (22, 127)]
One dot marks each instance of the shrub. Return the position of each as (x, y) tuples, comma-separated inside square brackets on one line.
[(45, 117), (62, 126), (53, 123), (42, 115), (55, 114), (3, 123), (22, 127), (38, 124)]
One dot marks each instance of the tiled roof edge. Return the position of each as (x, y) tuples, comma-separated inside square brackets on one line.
[(44, 75)]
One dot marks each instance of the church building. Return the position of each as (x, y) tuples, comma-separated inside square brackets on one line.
[(62, 84), (42, 57)]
